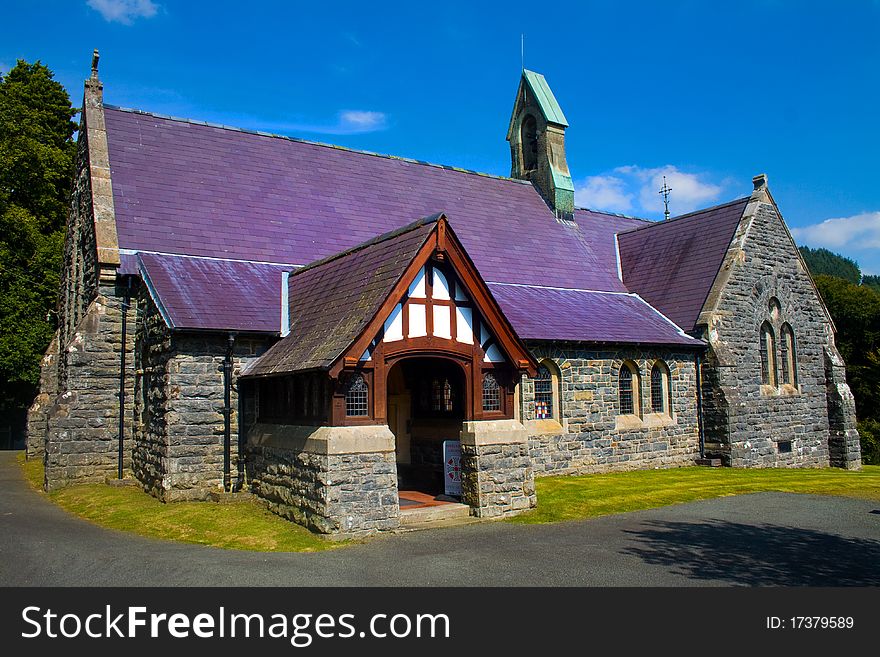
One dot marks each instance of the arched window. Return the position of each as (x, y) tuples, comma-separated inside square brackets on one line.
[(768, 355), (441, 395), (357, 397), (491, 393), (529, 142), (544, 401), (628, 389), (660, 388), (787, 355)]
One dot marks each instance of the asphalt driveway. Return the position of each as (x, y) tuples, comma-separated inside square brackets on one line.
[(752, 540)]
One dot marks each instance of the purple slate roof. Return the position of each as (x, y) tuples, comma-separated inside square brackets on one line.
[(332, 301), (190, 188), (672, 264), (197, 293), (585, 316)]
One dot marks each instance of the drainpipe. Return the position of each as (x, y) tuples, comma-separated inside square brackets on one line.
[(227, 412), (698, 363), (126, 304)]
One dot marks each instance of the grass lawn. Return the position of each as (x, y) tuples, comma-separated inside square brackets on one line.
[(572, 498), (249, 526), (236, 526)]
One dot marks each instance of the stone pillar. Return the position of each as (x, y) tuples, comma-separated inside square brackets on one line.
[(844, 446), (497, 476), (333, 480)]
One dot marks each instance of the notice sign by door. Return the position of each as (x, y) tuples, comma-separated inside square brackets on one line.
[(452, 467)]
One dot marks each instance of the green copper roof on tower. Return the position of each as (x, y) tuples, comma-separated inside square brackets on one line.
[(546, 100)]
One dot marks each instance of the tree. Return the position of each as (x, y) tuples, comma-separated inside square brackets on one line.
[(823, 261), (37, 153), (855, 310), (872, 282)]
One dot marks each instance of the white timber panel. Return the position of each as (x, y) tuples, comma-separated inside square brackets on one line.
[(418, 325), (464, 325), (442, 322), (394, 325)]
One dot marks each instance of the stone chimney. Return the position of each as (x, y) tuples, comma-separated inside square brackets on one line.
[(537, 143)]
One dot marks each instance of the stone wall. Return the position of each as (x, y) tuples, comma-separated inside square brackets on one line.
[(333, 480), (592, 436), (83, 423), (38, 413), (497, 478), (179, 448), (754, 425)]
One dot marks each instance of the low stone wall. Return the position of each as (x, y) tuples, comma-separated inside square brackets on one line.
[(333, 480), (497, 478)]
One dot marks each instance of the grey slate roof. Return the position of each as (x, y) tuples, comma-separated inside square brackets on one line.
[(332, 301)]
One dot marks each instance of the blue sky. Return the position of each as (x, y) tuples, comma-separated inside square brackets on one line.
[(707, 93)]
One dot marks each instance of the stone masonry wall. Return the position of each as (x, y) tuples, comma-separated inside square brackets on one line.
[(83, 422), (591, 437), (38, 413), (180, 431), (761, 265), (497, 478), (330, 493)]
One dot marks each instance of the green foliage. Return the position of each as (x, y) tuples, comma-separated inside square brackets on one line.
[(872, 282), (823, 261), (869, 432), (856, 313), (36, 166)]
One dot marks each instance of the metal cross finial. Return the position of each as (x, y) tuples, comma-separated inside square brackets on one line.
[(664, 191), (522, 51)]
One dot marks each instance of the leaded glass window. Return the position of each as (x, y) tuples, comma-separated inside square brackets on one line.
[(544, 393), (788, 356), (356, 397), (441, 395), (768, 356), (625, 390), (491, 393), (658, 397)]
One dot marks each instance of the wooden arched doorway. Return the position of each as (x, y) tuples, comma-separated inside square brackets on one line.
[(427, 403)]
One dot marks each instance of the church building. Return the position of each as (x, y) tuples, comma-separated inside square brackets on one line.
[(342, 333)]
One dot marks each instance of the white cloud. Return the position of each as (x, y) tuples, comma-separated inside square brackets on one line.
[(603, 193), (4, 68), (361, 121), (635, 188), (124, 11), (861, 231)]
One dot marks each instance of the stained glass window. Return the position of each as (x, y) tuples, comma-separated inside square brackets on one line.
[(658, 401), (544, 393), (625, 390), (788, 356), (356, 397), (442, 395), (491, 393), (768, 356)]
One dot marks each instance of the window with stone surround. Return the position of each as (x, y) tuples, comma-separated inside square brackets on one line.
[(787, 355), (357, 397), (545, 397), (628, 389), (660, 388), (768, 355)]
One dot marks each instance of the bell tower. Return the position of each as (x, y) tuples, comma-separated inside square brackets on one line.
[(537, 142)]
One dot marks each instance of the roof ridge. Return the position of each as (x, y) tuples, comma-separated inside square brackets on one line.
[(384, 237), (653, 224), (613, 214), (299, 140)]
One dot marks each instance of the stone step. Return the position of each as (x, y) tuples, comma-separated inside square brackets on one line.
[(710, 462), (441, 515)]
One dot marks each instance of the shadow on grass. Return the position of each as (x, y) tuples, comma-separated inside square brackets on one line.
[(758, 555)]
